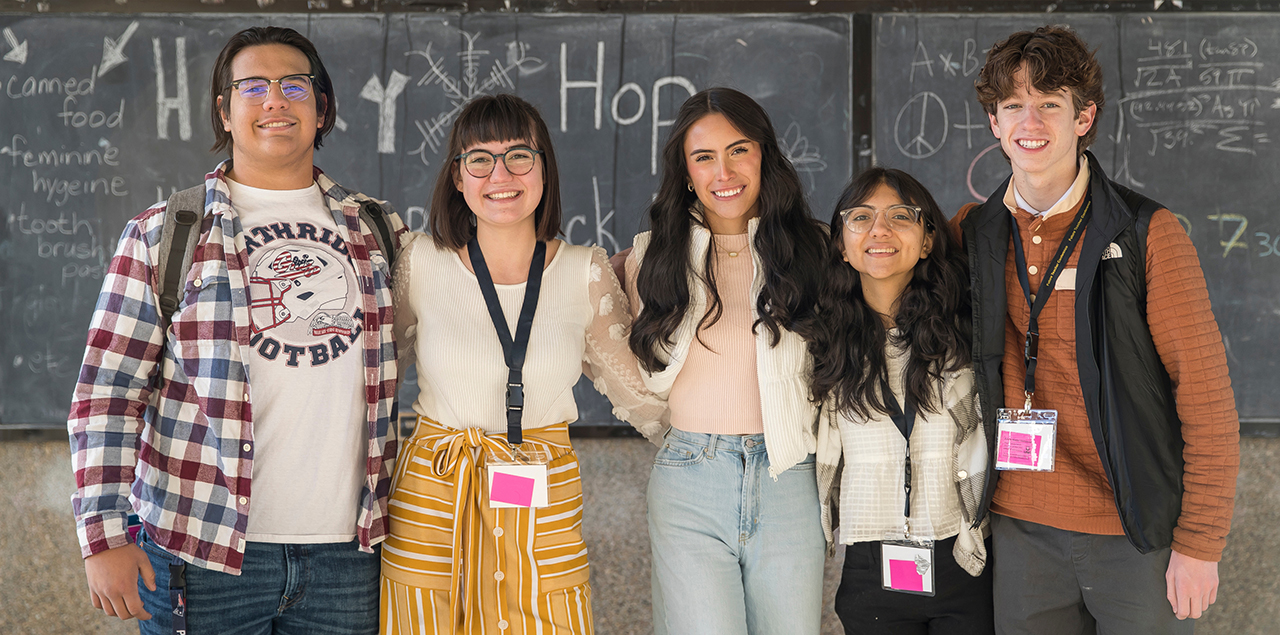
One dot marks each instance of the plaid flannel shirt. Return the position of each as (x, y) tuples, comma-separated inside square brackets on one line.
[(182, 449)]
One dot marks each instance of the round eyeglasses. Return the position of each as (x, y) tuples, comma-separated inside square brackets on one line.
[(479, 163), (899, 218), (254, 90)]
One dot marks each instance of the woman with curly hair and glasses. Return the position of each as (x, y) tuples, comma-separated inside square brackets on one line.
[(891, 350)]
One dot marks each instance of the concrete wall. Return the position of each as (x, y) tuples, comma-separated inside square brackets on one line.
[(42, 584)]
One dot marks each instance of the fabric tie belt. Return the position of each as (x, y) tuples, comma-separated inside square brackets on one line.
[(462, 457)]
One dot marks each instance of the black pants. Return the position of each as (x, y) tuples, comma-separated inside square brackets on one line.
[(961, 605)]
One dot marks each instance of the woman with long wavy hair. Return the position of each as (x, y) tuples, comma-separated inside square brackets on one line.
[(891, 349), (720, 283)]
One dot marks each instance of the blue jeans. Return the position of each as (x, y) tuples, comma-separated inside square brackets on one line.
[(734, 552), (285, 589)]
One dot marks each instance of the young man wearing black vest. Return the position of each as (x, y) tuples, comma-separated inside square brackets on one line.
[(1090, 306), (249, 423)]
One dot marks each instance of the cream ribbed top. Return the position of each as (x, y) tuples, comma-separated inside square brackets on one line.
[(718, 390), (582, 316)]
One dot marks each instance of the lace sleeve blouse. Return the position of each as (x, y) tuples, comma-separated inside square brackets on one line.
[(581, 325)]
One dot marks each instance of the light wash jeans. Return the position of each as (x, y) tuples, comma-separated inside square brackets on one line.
[(734, 552)]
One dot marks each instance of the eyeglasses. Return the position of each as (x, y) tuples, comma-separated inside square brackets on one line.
[(898, 217), (254, 90), (479, 163)]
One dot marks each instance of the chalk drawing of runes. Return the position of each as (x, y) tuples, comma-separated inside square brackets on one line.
[(461, 90)]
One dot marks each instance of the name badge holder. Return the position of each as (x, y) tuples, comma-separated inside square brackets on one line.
[(906, 560), (520, 480), (1026, 438)]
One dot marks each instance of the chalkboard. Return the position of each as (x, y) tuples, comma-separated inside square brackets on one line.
[(1193, 104), (101, 116)]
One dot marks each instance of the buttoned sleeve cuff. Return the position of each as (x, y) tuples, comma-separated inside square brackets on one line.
[(100, 533)]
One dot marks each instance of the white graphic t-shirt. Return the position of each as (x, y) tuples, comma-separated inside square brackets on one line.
[(305, 372)]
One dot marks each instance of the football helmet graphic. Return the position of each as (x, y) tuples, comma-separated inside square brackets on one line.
[(292, 283)]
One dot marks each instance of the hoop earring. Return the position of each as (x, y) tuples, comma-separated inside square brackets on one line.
[(689, 185)]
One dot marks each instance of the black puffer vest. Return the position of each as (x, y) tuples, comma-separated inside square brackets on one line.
[(1127, 392)]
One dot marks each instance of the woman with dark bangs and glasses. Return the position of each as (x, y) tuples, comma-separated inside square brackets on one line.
[(486, 505), (891, 349), (730, 267)]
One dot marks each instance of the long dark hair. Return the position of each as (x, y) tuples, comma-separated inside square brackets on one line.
[(788, 240), (932, 315), (488, 118)]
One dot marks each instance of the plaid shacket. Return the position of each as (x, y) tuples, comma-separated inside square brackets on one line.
[(182, 449)]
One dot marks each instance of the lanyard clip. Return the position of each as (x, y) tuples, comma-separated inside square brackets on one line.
[(515, 396), (1027, 405), (1031, 348)]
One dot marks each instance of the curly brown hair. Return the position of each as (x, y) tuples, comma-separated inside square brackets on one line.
[(1055, 58)]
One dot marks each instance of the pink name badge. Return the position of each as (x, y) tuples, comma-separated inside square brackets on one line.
[(1017, 448), (509, 488), (517, 486), (904, 577), (907, 567), (1025, 439)]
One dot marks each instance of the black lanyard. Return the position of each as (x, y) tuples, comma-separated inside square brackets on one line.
[(513, 351), (1031, 346), (906, 422)]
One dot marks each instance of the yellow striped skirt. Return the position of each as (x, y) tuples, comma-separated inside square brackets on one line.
[(451, 564)]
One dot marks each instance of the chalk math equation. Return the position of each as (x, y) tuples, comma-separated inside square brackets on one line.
[(1211, 92)]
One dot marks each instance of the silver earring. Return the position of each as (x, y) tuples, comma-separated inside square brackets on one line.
[(689, 185)]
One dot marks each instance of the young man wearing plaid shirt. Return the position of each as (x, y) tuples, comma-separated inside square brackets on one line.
[(253, 436)]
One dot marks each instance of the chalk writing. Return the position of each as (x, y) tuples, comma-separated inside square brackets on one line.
[(17, 50), (22, 155), (805, 158), (1268, 242), (602, 234), (1209, 97), (969, 126), (92, 119), (113, 50), (181, 100), (386, 100), (921, 59), (659, 122), (968, 179), (1234, 241), (597, 84), (460, 91), (64, 189), (920, 136), (35, 86)]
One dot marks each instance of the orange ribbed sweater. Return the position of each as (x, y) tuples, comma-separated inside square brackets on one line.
[(1076, 495)]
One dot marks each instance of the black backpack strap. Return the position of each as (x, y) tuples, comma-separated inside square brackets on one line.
[(184, 211), (376, 217)]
